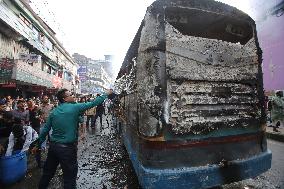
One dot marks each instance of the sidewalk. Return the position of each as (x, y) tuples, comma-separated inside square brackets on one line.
[(278, 136)]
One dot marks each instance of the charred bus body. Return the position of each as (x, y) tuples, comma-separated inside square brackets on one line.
[(193, 102)]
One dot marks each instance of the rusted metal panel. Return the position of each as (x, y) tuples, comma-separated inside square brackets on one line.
[(209, 51), (132, 110), (213, 111), (201, 71), (151, 66), (198, 110), (188, 82), (152, 34), (194, 58), (198, 86), (212, 85), (210, 99)]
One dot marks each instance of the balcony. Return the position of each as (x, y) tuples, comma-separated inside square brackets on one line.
[(9, 18), (23, 72)]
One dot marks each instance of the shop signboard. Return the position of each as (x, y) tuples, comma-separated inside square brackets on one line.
[(30, 58), (83, 78), (36, 88), (6, 68), (57, 82), (82, 72), (51, 90), (8, 85)]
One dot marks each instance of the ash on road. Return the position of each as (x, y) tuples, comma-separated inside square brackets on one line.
[(104, 164)]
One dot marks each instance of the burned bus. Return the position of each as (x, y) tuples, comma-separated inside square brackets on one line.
[(192, 101)]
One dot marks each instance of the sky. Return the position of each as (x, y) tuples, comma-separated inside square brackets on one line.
[(95, 28)]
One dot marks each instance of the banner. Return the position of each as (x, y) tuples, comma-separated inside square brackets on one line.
[(8, 85), (30, 58), (6, 68), (57, 82), (82, 72)]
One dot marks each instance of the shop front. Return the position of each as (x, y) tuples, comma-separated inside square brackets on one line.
[(20, 78)]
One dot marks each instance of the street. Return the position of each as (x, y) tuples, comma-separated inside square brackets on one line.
[(192, 81), (276, 175), (104, 163), (272, 179)]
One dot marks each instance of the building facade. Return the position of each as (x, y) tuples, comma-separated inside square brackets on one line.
[(93, 74), (32, 60)]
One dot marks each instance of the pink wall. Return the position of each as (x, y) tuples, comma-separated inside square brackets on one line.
[(271, 39), (270, 30)]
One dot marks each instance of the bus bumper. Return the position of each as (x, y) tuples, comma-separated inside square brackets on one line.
[(199, 177)]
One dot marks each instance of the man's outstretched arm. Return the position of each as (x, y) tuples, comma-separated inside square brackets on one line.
[(99, 100)]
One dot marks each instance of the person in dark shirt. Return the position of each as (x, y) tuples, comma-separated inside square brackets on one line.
[(6, 123), (34, 115), (113, 97), (21, 112), (100, 109)]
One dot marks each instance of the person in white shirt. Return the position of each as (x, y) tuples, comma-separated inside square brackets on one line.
[(20, 138)]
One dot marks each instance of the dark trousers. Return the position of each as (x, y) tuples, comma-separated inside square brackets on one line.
[(90, 117), (38, 153), (38, 158), (66, 156), (99, 114)]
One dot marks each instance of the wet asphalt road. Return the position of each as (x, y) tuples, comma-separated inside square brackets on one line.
[(104, 164), (276, 174), (103, 161), (272, 179)]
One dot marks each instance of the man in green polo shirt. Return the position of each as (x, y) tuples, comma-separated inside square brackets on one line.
[(63, 141)]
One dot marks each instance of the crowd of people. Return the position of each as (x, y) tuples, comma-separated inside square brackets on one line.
[(27, 124), (20, 123)]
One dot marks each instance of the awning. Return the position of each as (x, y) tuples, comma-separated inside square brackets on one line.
[(53, 64)]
